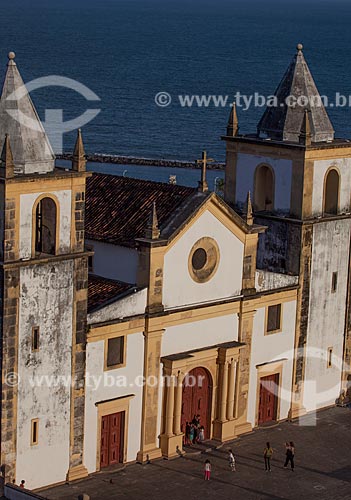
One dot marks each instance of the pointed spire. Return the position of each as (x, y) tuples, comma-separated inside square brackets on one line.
[(233, 122), (18, 117), (78, 160), (305, 137), (249, 212), (152, 231), (7, 167), (283, 120)]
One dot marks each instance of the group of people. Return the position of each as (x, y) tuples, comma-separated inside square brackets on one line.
[(267, 455), (289, 454), (194, 431), (22, 484)]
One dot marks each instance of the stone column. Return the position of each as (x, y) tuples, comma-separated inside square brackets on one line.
[(178, 406), (171, 439), (170, 408), (231, 390), (224, 391)]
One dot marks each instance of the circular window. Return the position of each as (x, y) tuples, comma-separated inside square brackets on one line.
[(203, 260), (199, 259)]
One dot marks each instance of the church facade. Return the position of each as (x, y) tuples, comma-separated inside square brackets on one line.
[(128, 306)]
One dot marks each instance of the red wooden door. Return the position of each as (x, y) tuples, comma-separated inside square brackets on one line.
[(197, 399), (104, 457), (112, 439), (267, 411)]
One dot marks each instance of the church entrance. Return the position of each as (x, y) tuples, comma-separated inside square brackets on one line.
[(112, 439), (197, 399), (268, 403)]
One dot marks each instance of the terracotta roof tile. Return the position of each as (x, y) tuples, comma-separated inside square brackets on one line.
[(102, 290), (118, 208)]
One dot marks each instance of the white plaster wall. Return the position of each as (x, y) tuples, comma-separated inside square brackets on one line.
[(199, 334), (26, 213), (266, 280), (319, 171), (115, 262), (178, 286), (270, 348), (326, 320), (132, 305), (99, 389), (246, 166), (46, 295)]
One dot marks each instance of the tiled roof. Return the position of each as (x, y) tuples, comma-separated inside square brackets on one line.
[(118, 208), (102, 290)]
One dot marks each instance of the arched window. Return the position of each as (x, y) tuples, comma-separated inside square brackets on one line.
[(45, 226), (264, 188), (331, 192)]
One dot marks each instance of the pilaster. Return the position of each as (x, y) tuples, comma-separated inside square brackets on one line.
[(149, 429)]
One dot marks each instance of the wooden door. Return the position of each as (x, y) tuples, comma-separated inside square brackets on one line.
[(268, 402), (112, 439), (197, 399), (104, 455)]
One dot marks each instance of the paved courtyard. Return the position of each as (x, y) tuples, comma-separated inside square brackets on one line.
[(323, 469)]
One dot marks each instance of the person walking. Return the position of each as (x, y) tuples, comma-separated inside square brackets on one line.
[(191, 434), (290, 454), (187, 434), (231, 459), (207, 470), (201, 437), (22, 483), (267, 454)]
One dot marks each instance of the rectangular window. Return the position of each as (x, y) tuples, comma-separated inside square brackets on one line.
[(34, 438), (90, 248), (334, 282), (115, 352), (330, 357), (35, 338), (274, 318)]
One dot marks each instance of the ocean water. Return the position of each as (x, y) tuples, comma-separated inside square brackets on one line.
[(126, 51)]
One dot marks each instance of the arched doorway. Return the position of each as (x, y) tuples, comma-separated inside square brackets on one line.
[(264, 188), (197, 398), (331, 194)]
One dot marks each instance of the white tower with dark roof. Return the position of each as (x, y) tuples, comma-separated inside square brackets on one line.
[(300, 177), (43, 272)]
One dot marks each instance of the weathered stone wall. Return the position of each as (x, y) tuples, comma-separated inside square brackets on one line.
[(9, 311), (327, 309), (44, 390), (279, 247)]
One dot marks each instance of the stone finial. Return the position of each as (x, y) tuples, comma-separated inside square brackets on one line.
[(305, 136), (79, 161), (152, 231), (233, 122), (249, 211), (11, 56), (299, 47), (7, 165), (203, 186)]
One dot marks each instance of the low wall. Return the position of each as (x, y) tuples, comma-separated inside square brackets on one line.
[(15, 493)]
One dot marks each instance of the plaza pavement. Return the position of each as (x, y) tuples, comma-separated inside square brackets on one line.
[(323, 468)]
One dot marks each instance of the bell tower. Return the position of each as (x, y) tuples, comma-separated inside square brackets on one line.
[(44, 275), (300, 177)]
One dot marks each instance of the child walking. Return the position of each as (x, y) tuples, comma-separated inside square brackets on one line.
[(231, 459), (207, 470)]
